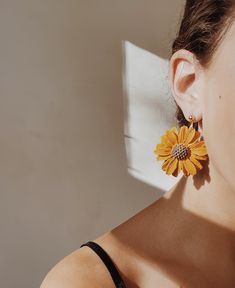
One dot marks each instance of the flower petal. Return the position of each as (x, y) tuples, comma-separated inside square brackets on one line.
[(182, 133), (162, 157), (179, 168), (200, 151), (172, 135), (185, 171), (190, 167), (162, 146), (167, 162), (165, 141), (195, 138), (200, 157), (196, 144), (162, 150), (195, 162), (175, 130), (180, 164), (190, 135), (172, 166)]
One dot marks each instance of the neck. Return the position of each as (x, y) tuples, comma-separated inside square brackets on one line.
[(209, 195), (205, 205)]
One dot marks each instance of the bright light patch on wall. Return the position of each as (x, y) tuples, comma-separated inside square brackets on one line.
[(149, 112)]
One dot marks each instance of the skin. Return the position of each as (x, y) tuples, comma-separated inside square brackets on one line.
[(187, 237)]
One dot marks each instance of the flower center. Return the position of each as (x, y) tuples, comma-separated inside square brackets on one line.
[(180, 151)]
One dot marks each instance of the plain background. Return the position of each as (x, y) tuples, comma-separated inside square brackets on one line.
[(63, 168)]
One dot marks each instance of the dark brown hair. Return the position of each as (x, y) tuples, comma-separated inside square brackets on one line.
[(203, 25)]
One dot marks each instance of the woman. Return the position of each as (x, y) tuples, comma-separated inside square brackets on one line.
[(187, 237)]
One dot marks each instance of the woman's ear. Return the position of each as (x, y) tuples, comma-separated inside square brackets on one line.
[(186, 83)]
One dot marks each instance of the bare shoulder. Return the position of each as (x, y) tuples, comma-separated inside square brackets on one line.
[(82, 268)]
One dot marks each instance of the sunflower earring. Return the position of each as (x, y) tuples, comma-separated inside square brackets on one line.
[(181, 150)]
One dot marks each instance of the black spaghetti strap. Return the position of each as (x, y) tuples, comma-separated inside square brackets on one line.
[(108, 263)]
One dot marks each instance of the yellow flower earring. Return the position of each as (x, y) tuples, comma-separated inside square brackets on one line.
[(181, 150)]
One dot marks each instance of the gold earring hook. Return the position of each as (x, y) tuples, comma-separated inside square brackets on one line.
[(191, 120)]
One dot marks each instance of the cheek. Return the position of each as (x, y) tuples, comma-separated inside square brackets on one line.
[(219, 124)]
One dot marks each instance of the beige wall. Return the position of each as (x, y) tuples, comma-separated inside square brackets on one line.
[(63, 167)]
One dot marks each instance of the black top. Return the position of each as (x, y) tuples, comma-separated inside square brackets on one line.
[(108, 263)]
